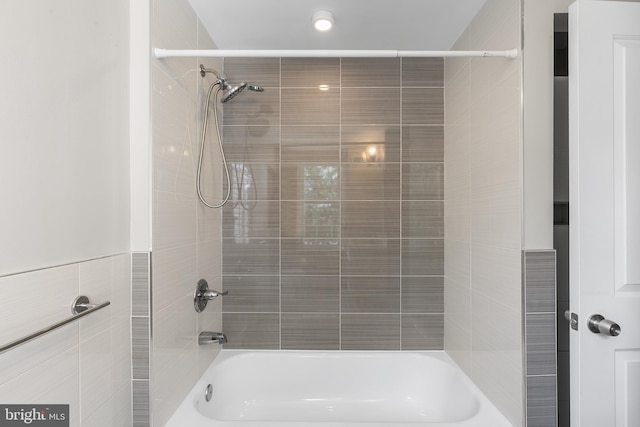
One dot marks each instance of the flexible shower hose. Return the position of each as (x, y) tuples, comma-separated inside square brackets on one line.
[(203, 142)]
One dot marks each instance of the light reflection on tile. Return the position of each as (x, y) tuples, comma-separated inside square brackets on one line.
[(310, 72), (370, 144), (310, 107)]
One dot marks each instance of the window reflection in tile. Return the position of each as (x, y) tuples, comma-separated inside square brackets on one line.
[(308, 181), (423, 181), (251, 219), (252, 181), (311, 220), (335, 194)]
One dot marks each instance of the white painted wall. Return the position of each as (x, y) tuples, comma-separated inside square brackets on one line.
[(483, 209), (64, 123), (64, 179)]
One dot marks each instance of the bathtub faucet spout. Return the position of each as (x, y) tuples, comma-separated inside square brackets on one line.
[(211, 337)]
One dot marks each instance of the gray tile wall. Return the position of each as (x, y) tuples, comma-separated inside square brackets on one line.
[(140, 338), (539, 269), (334, 237)]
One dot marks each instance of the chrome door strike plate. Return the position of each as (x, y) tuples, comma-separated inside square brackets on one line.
[(572, 318)]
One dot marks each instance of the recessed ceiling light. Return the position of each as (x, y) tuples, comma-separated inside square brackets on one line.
[(322, 20)]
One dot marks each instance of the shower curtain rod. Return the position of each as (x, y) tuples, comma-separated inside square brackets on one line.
[(285, 53)]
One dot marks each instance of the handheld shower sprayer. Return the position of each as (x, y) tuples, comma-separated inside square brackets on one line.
[(229, 92)]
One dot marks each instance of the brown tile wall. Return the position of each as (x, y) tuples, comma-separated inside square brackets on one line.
[(326, 244)]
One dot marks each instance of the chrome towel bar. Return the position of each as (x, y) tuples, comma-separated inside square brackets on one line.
[(80, 308)]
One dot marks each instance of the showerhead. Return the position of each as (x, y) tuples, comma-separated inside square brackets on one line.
[(232, 91)]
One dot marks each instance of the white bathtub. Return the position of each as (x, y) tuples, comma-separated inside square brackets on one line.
[(335, 389)]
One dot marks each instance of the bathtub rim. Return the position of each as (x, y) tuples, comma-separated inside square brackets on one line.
[(487, 412)]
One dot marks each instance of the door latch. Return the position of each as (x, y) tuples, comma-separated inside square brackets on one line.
[(572, 318)]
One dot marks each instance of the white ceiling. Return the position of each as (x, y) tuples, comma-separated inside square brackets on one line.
[(359, 24)]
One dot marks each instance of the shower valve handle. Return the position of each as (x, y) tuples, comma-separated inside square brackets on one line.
[(211, 294), (203, 295)]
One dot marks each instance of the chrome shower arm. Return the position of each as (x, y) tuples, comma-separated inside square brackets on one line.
[(222, 79)]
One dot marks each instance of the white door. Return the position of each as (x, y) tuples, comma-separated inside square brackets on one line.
[(604, 111)]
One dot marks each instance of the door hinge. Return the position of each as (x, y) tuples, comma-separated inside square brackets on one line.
[(572, 318)]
